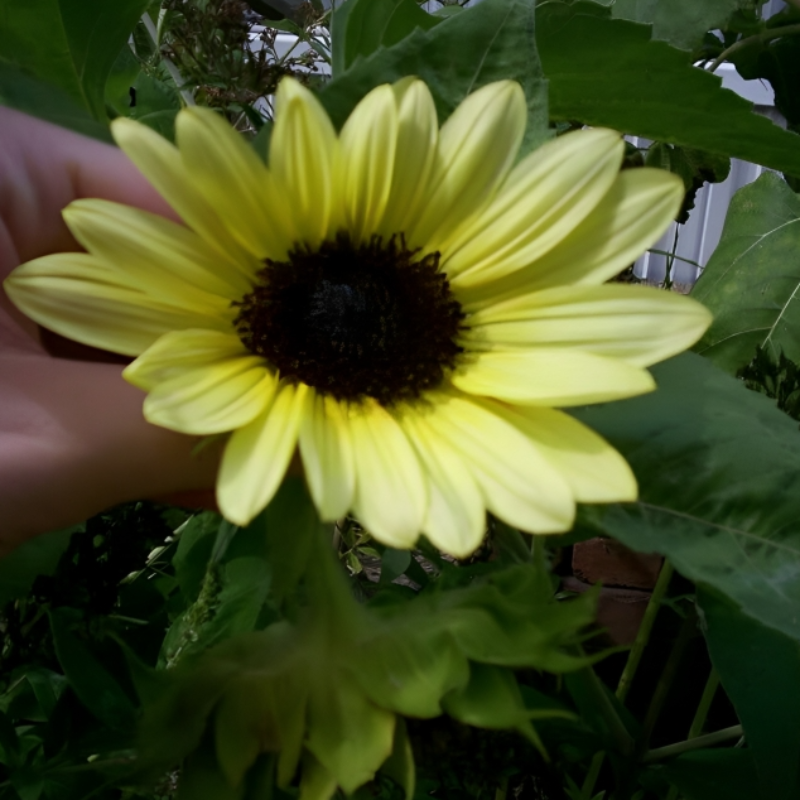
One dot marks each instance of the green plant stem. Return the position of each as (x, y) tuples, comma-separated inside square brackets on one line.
[(658, 252), (631, 665), (643, 634), (704, 705), (764, 36), (538, 553), (667, 677), (502, 790), (699, 742), (619, 732), (670, 262)]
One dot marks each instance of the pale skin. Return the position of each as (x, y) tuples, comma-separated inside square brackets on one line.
[(73, 441)]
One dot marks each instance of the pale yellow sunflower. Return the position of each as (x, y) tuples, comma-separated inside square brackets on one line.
[(405, 303)]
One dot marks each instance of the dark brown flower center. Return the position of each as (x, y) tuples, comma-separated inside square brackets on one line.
[(355, 321)]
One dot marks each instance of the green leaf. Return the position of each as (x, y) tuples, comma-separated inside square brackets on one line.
[(778, 61), (157, 105), (760, 671), (291, 531), (394, 563), (9, 742), (490, 41), (360, 27), (682, 23), (714, 775), (717, 467), (47, 687), (752, 281), (409, 665), (37, 556), (71, 44), (202, 778), (195, 543), (121, 80), (39, 99), (347, 733), (608, 72), (400, 764), (96, 688), (693, 167), (261, 140), (230, 602), (492, 699), (28, 782)]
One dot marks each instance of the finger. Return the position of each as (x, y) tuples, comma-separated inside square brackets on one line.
[(42, 169)]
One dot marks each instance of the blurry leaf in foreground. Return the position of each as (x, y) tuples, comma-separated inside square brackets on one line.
[(324, 691)]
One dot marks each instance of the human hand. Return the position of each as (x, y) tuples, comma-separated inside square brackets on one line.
[(73, 440)]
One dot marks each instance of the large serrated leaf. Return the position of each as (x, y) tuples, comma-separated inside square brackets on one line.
[(360, 27), (718, 468), (26, 93), (609, 72), (752, 281), (71, 44), (682, 23), (488, 42)]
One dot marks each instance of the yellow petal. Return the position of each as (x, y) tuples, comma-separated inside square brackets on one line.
[(365, 162), (159, 255), (595, 471), (632, 217), (162, 165), (551, 377), (232, 178), (198, 385), (327, 451), (258, 454), (390, 496), (76, 295), (178, 351), (455, 521), (638, 324), (517, 483), (547, 195), (302, 152), (415, 154), (477, 146)]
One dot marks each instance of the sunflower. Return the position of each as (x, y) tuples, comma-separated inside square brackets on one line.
[(405, 303)]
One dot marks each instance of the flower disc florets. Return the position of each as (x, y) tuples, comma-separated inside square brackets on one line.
[(355, 321)]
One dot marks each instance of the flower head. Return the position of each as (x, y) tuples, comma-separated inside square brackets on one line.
[(405, 303)]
